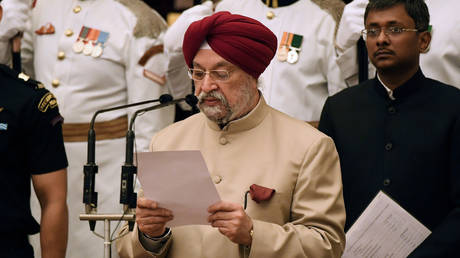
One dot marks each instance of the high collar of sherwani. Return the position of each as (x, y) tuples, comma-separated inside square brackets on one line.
[(278, 3), (247, 122), (403, 91)]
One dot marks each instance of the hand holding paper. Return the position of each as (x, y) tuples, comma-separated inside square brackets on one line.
[(150, 218), (232, 221)]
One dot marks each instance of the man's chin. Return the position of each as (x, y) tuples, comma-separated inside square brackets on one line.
[(213, 113), (385, 65)]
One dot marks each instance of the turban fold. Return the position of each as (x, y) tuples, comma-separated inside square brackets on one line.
[(242, 41)]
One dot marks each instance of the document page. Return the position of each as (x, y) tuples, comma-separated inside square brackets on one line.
[(384, 229), (178, 181)]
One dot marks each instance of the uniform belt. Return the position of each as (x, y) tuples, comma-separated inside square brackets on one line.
[(78, 132)]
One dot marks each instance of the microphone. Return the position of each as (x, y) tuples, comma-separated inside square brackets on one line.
[(127, 195), (190, 99), (90, 169)]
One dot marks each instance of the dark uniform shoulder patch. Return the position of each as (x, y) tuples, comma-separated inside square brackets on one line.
[(47, 101)]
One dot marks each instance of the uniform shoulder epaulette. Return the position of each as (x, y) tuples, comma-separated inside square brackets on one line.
[(149, 22), (22, 77), (333, 7)]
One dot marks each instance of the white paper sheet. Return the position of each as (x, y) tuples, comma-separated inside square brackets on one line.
[(180, 182), (384, 229)]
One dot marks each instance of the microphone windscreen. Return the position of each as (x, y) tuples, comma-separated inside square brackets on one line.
[(165, 98), (191, 100)]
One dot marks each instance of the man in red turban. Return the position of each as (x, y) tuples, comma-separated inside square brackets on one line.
[(245, 143), (243, 44), (242, 41)]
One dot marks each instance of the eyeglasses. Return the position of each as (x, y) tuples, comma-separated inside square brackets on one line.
[(216, 75), (389, 31)]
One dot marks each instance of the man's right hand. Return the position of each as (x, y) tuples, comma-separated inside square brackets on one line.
[(151, 219), (15, 17)]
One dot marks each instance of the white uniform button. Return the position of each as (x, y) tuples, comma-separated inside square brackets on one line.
[(61, 55), (77, 9), (270, 15), (55, 83), (216, 179), (68, 32), (223, 140)]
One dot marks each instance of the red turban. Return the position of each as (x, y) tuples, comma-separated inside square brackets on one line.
[(242, 41)]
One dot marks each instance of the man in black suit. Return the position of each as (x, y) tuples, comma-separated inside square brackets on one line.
[(400, 132)]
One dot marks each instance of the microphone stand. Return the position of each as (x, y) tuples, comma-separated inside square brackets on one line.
[(90, 170)]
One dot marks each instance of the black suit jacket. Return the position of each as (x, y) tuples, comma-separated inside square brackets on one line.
[(408, 147)]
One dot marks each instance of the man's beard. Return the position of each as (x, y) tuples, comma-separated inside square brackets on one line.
[(224, 112)]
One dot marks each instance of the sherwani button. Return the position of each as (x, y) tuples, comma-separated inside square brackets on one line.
[(386, 182), (391, 110), (216, 179), (223, 140), (388, 146)]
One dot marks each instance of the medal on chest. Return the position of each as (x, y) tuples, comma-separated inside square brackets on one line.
[(294, 49), (79, 45), (99, 47), (289, 48), (90, 42), (93, 34), (283, 48)]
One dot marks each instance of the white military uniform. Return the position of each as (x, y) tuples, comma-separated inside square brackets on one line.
[(441, 62), (83, 84), (299, 89)]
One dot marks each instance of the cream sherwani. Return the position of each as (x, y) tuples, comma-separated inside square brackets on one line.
[(304, 218)]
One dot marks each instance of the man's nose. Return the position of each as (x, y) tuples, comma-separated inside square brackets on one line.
[(208, 84), (382, 39)]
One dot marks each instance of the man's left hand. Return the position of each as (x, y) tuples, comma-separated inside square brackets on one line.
[(232, 221)]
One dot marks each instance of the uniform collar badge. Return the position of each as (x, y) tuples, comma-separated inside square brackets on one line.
[(45, 29)]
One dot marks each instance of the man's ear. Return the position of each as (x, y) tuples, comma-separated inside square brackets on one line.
[(424, 41)]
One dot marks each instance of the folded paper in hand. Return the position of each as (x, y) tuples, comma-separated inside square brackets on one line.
[(178, 181)]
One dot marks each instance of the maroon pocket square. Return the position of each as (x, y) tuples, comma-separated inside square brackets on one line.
[(259, 193)]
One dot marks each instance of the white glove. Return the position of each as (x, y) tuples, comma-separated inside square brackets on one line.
[(175, 34), (351, 24), (15, 16)]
